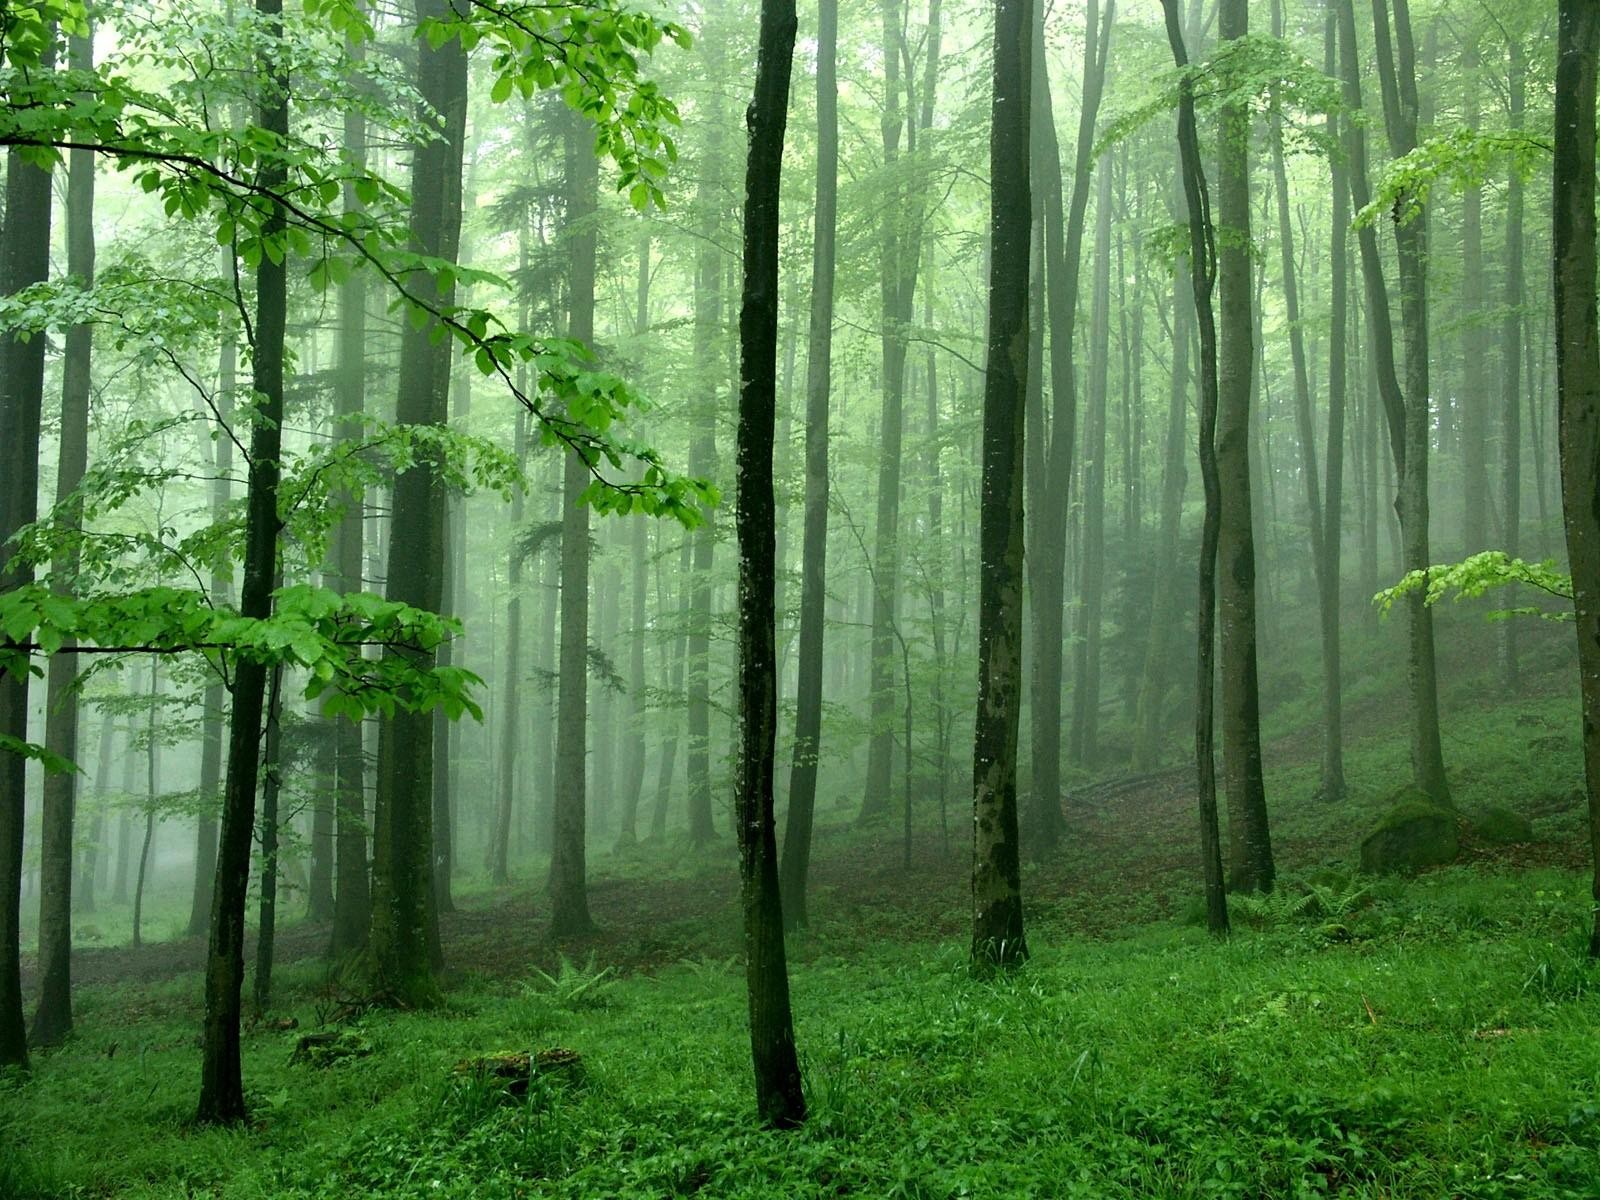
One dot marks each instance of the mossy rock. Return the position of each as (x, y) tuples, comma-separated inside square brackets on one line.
[(1502, 827), (1414, 833)]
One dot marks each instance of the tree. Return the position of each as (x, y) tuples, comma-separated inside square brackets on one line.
[(404, 936), (1577, 336), (52, 1020), (1203, 274), (997, 933), (221, 1080), (24, 260), (569, 900), (779, 1098), (814, 549), (1250, 866)]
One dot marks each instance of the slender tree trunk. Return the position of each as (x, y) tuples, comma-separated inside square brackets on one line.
[(1473, 394), (1397, 77), (52, 1020), (152, 761), (1203, 266), (997, 932), (632, 787), (1578, 369), (271, 788), (24, 260), (1250, 866), (569, 901), (1511, 356), (221, 1082), (779, 1098), (404, 936), (814, 549), (673, 654), (511, 717), (83, 894), (1051, 464)]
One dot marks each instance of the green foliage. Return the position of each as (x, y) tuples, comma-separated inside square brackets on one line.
[(1479, 574), (1461, 158), (572, 987)]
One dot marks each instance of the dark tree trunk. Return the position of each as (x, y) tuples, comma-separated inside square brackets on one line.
[(814, 549), (271, 789), (511, 692), (779, 1098), (352, 900), (997, 933), (1474, 392), (632, 786), (52, 1019), (221, 1083), (152, 794), (1397, 77), (1250, 866), (1051, 463), (1511, 355), (24, 260), (1578, 369), (1203, 274), (569, 899)]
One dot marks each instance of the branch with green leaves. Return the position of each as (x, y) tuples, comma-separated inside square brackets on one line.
[(1479, 574)]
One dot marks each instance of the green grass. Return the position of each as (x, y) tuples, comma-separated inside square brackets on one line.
[(1438, 1040)]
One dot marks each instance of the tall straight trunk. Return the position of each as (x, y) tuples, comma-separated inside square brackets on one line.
[(544, 740), (1051, 464), (703, 460), (88, 882), (632, 784), (779, 1098), (119, 874), (442, 800), (404, 936), (674, 652), (1330, 556), (352, 900), (1203, 276), (1397, 77), (997, 933), (511, 693), (569, 898), (1155, 680), (152, 768), (814, 547), (894, 243), (1511, 355), (1474, 393), (52, 1020), (1250, 866), (221, 1082), (24, 260), (1577, 339), (271, 789), (1086, 656), (319, 874)]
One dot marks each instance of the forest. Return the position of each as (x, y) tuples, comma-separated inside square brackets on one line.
[(776, 598)]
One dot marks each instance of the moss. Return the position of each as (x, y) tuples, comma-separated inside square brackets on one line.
[(1502, 827), (1414, 833)]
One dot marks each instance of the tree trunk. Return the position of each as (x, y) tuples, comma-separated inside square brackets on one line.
[(1250, 866), (511, 716), (1578, 370), (1203, 274), (404, 937), (569, 900), (221, 1083), (1397, 77), (271, 788), (632, 787), (997, 932), (83, 893), (814, 549), (152, 761), (1511, 356), (52, 1020), (779, 1098)]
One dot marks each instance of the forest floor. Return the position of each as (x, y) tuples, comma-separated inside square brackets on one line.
[(1361, 1038)]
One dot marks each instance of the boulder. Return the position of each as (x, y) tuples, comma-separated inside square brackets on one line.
[(1502, 827), (1414, 833)]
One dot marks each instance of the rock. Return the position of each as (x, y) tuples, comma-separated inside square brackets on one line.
[(1502, 827), (1414, 833)]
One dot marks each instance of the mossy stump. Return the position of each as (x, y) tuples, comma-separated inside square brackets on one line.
[(1502, 827), (515, 1070), (1415, 833)]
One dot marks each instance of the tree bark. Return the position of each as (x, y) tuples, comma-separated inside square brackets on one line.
[(814, 547), (1511, 355), (569, 900), (1578, 370), (779, 1098), (997, 932), (52, 1019), (221, 1082)]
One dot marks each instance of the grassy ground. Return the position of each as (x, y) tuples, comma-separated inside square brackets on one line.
[(1379, 1039)]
